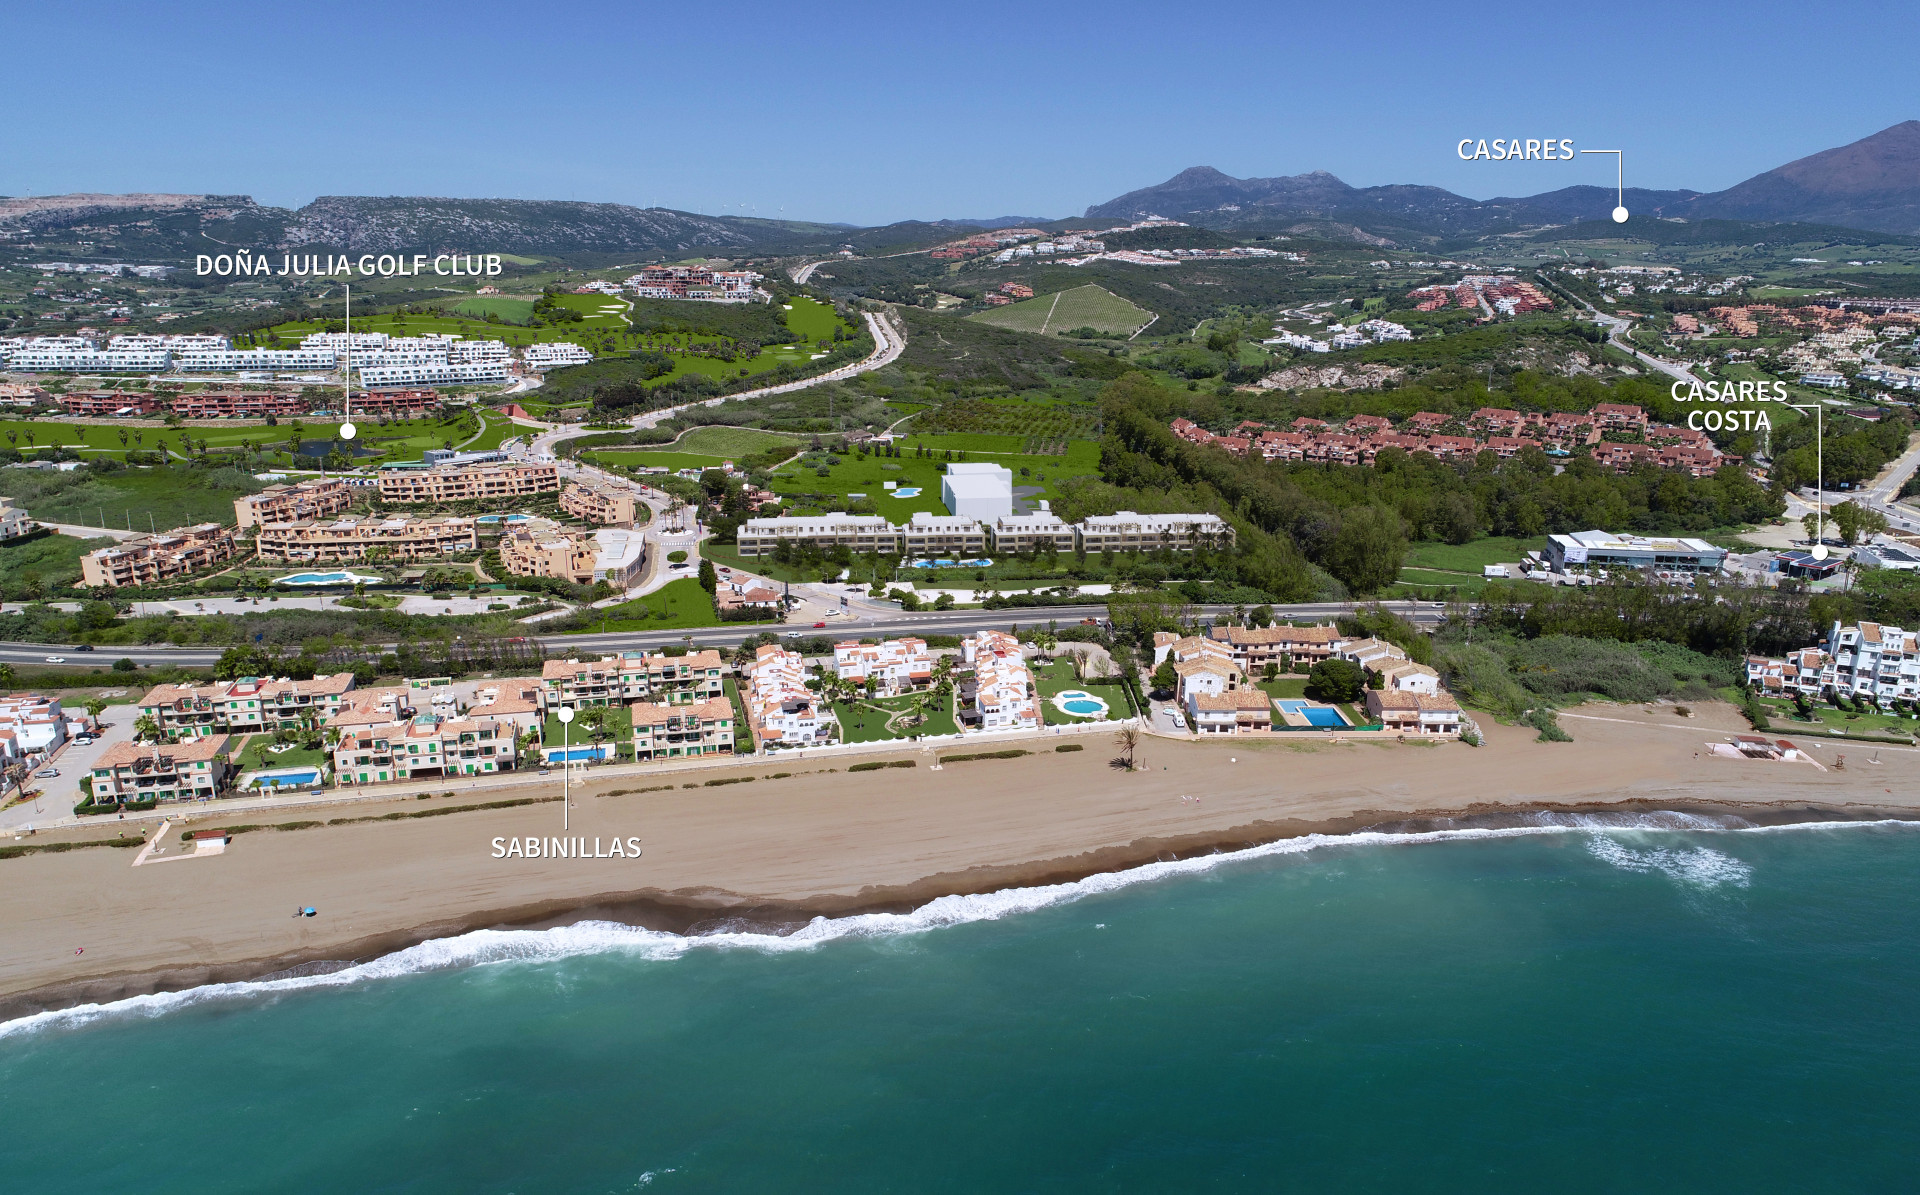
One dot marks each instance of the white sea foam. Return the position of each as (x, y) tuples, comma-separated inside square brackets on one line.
[(1694, 865)]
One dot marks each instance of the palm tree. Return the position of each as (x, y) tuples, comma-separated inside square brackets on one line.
[(145, 727), (1128, 740)]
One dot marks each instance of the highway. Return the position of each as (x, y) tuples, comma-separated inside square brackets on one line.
[(925, 622)]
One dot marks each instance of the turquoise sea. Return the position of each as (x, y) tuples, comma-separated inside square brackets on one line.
[(1565, 1010)]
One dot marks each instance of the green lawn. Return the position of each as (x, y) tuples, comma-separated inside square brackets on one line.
[(678, 604), (254, 755), (517, 311), (1086, 306), (1286, 686), (733, 443), (810, 319), (1471, 558), (1786, 722), (618, 728), (52, 559), (652, 460), (863, 720), (1058, 676), (140, 499), (856, 475)]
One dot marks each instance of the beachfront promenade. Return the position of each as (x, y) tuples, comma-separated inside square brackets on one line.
[(528, 783)]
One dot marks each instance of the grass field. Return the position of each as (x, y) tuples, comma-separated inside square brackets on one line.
[(811, 320), (854, 475), (865, 720), (513, 310), (734, 442), (53, 560), (1082, 307), (1460, 565), (1785, 721), (677, 604), (138, 499), (618, 728), (653, 460), (255, 755), (1058, 676)]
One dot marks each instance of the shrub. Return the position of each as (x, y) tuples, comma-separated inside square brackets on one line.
[(1066, 747), (728, 780), (983, 755), (677, 556), (1336, 680), (879, 764), (1543, 720)]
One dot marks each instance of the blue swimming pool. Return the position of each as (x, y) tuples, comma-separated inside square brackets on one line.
[(1080, 703), (907, 491), (981, 563), (577, 754), (287, 778), (1315, 715), (324, 579)]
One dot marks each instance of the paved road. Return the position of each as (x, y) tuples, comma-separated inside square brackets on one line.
[(1617, 328), (925, 622)]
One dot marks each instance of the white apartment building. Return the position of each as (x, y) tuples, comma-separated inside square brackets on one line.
[(340, 342), (554, 354), (205, 360), (172, 344), (930, 535), (861, 533), (1872, 660), (478, 352), (88, 360), (894, 665), (782, 711), (1013, 534), (1003, 695), (436, 374), (1131, 532)]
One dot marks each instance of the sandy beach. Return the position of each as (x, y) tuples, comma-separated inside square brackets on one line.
[(85, 925)]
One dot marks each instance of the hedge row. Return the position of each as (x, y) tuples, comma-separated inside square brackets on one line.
[(878, 764), (984, 755), (1065, 747)]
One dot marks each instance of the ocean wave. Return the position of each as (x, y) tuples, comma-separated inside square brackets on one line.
[(1696, 865)]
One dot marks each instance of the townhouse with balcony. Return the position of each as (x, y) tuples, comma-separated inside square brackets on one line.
[(682, 731), (1412, 712), (351, 539), (633, 677), (894, 665), (1000, 694), (151, 559), (311, 499), (248, 704), (381, 738), (185, 771), (488, 482), (781, 710), (1254, 648), (203, 404)]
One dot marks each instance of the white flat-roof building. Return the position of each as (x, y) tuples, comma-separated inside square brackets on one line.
[(861, 533), (228, 360), (88, 360), (554, 354), (621, 557), (443, 374), (1604, 549), (978, 491), (1128, 531), (929, 535), (1036, 532)]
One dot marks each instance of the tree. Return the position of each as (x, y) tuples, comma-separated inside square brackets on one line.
[(709, 579), (6, 677), (1368, 548), (1165, 679), (1128, 740), (1336, 680), (145, 727), (1853, 520)]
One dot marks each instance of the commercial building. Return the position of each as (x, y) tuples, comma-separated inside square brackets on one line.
[(682, 731), (467, 483), (248, 704), (977, 491), (602, 504), (286, 503), (188, 771), (1127, 531), (632, 677), (893, 665), (151, 559), (1584, 550), (782, 711), (395, 538), (1000, 694)]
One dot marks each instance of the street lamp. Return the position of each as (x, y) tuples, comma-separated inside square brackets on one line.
[(1820, 478), (566, 765)]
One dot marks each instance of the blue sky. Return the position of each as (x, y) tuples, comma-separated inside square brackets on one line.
[(867, 113)]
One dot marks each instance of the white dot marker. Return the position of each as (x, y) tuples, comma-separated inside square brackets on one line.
[(1819, 551), (348, 431), (1620, 215), (565, 713)]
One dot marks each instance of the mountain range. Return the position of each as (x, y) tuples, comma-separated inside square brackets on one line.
[(1872, 184)]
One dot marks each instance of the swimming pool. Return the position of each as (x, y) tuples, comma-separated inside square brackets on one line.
[(496, 518), (1080, 704), (1314, 715), (577, 754), (983, 562), (286, 778), (907, 491), (324, 579)]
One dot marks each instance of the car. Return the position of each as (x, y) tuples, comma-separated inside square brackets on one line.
[(56, 659), (546, 771), (682, 564), (84, 647), (47, 773), (82, 740), (818, 625)]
